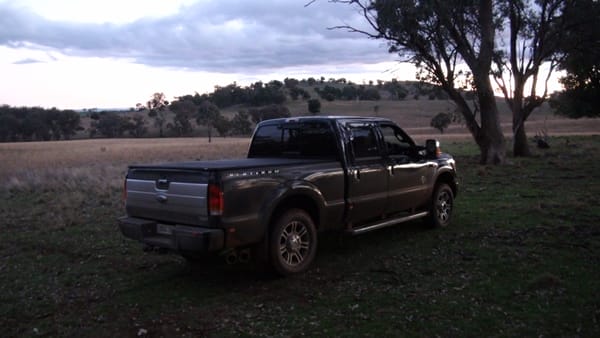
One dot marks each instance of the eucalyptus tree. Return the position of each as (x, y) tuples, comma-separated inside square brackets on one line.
[(461, 44), (439, 37), (530, 35)]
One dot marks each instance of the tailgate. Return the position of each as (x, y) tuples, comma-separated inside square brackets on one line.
[(168, 195)]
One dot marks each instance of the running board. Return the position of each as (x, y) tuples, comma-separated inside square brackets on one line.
[(388, 223)]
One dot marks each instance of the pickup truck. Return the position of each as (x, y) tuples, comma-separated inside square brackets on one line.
[(302, 176)]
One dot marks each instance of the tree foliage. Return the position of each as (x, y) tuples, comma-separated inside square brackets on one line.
[(157, 109), (257, 94), (222, 125), (37, 124), (240, 124), (441, 121), (581, 97), (185, 110), (530, 34), (208, 114), (437, 36), (109, 124), (272, 111), (137, 126), (314, 106)]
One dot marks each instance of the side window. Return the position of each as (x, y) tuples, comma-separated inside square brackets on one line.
[(266, 142), (395, 142), (307, 139), (364, 142)]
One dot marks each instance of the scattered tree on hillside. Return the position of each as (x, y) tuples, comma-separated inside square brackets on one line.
[(329, 93), (28, 124), (240, 125), (109, 124), (296, 92), (222, 125), (396, 90), (185, 110), (441, 121), (157, 109), (208, 115), (137, 126), (69, 123), (350, 93), (369, 94), (271, 93), (314, 106), (291, 83), (272, 111)]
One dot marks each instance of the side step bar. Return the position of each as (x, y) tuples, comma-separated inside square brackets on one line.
[(388, 223)]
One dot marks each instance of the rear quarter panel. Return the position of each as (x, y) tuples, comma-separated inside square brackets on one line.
[(252, 196)]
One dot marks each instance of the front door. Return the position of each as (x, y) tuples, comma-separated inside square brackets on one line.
[(409, 173)]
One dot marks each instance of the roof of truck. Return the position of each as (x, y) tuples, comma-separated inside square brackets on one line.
[(328, 117)]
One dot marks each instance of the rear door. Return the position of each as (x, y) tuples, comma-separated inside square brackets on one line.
[(367, 175)]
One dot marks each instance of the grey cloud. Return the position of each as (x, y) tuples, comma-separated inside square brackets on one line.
[(27, 61), (224, 36)]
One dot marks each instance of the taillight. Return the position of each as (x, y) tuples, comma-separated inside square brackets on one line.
[(215, 200)]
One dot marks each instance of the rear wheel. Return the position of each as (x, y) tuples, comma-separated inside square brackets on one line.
[(442, 203), (293, 242)]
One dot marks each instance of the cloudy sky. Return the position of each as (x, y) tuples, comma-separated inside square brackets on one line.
[(116, 53)]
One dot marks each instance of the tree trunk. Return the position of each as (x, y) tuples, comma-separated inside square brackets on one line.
[(520, 144), (492, 146), (490, 139), (488, 136)]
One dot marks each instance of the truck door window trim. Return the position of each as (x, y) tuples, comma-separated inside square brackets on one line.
[(364, 143)]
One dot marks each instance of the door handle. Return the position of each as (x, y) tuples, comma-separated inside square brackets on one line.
[(390, 169), (356, 174)]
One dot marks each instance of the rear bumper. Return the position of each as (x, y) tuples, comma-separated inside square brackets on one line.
[(182, 238)]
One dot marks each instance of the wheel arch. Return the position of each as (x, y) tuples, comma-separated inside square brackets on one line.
[(296, 200), (448, 178)]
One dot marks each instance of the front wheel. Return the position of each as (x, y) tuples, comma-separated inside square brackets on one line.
[(442, 203), (293, 242)]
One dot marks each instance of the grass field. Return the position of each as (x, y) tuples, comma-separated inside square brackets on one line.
[(520, 259)]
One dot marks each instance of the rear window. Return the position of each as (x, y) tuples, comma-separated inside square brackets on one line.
[(306, 139)]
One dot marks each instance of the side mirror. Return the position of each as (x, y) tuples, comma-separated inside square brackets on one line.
[(432, 148)]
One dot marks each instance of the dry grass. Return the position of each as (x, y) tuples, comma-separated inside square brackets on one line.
[(99, 163), (103, 162), (415, 115)]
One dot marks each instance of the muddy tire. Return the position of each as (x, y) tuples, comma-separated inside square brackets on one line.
[(292, 242), (442, 204)]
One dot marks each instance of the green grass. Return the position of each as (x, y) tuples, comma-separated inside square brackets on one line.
[(520, 259)]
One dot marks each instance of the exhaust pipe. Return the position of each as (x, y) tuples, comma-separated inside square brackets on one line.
[(154, 249), (244, 256), (231, 257)]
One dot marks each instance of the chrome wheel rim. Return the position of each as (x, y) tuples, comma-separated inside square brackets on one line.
[(444, 206), (294, 243)]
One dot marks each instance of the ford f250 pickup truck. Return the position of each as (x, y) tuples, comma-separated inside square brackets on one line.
[(301, 176)]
